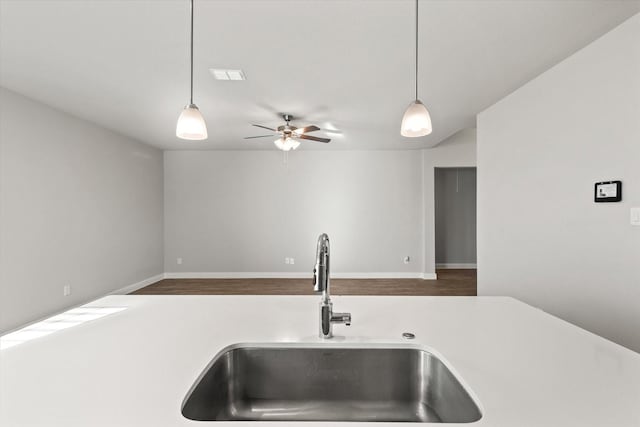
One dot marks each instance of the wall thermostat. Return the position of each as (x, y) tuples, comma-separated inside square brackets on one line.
[(608, 191)]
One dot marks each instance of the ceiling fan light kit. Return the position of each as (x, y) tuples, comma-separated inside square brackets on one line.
[(286, 144), (191, 124), (416, 120)]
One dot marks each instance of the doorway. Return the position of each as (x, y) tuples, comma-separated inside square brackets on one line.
[(455, 217)]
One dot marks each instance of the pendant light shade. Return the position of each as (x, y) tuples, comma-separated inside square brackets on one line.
[(416, 120), (191, 124)]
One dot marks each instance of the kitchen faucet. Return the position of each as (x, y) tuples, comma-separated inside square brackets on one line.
[(321, 284)]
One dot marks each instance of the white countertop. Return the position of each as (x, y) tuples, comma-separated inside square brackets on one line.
[(134, 368)]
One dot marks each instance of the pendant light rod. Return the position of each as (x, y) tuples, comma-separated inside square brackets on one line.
[(416, 120), (191, 62), (191, 124), (416, 49)]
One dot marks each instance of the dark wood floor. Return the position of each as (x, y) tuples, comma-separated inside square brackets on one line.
[(450, 282)]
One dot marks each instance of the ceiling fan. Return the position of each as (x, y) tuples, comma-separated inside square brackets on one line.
[(289, 134)]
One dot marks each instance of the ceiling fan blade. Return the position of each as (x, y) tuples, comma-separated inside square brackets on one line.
[(264, 127), (313, 138), (307, 129), (259, 136)]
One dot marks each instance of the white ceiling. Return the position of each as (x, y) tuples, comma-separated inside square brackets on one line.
[(124, 63)]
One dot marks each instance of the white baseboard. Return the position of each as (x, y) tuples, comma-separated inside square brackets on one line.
[(141, 284), (457, 265), (238, 275), (381, 275), (289, 275)]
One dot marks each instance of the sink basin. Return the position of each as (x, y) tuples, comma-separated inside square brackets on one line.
[(328, 383)]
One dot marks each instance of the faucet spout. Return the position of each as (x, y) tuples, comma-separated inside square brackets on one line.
[(321, 284), (321, 269)]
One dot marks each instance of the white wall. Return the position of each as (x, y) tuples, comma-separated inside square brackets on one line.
[(541, 238), (459, 150), (79, 206), (239, 212)]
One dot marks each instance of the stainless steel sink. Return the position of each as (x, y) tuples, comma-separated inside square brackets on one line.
[(328, 383)]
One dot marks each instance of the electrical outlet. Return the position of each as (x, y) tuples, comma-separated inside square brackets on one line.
[(286, 260), (178, 261), (407, 259), (635, 216), (292, 260), (66, 290)]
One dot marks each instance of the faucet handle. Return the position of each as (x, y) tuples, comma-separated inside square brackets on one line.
[(341, 318)]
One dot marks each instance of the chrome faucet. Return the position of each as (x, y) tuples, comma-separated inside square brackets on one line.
[(321, 284)]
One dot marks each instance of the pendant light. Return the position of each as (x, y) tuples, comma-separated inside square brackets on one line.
[(191, 124), (416, 120)]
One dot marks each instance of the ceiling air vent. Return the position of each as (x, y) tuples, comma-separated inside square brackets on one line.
[(222, 74)]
